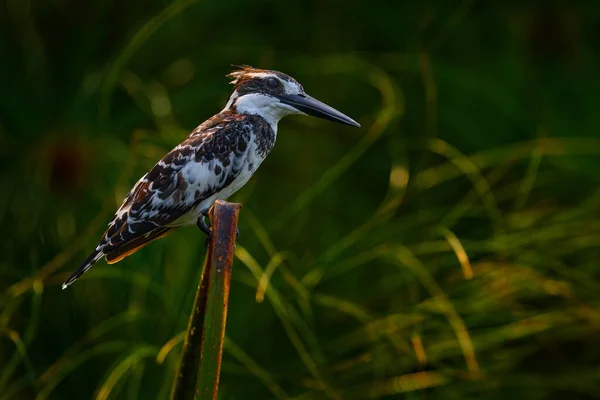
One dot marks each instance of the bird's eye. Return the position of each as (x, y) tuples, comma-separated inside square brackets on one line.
[(272, 83)]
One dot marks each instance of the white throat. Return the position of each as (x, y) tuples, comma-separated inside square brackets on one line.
[(268, 107)]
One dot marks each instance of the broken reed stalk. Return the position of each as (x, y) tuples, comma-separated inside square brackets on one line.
[(200, 366)]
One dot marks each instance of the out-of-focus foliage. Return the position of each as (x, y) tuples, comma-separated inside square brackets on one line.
[(447, 250)]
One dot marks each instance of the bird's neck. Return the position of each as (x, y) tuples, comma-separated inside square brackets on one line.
[(270, 109)]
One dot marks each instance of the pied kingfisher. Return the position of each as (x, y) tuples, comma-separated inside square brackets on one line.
[(213, 162)]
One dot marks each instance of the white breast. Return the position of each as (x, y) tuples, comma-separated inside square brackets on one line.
[(249, 165)]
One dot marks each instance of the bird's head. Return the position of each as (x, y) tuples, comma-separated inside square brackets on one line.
[(273, 95)]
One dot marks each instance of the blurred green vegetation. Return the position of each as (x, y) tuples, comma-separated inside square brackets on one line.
[(447, 250)]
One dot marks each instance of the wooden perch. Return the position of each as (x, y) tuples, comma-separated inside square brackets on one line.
[(200, 365)]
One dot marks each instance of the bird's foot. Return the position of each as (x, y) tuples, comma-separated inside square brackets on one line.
[(204, 228)]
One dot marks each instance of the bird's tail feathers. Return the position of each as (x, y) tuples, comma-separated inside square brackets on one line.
[(87, 264)]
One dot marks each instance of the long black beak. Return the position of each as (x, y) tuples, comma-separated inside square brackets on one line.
[(312, 106)]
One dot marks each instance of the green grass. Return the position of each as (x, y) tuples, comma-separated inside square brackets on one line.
[(447, 250)]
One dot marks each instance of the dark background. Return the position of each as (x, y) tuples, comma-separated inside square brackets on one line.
[(448, 249)]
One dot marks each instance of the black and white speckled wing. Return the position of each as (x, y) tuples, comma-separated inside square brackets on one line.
[(179, 187)]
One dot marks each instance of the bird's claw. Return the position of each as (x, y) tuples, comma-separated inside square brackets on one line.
[(204, 228), (208, 231)]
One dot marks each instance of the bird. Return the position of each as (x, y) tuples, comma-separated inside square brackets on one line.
[(214, 161)]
